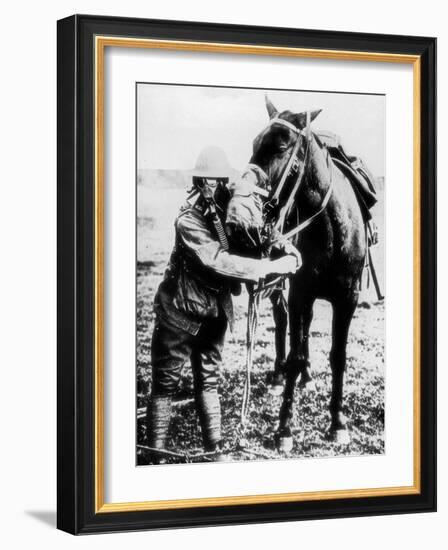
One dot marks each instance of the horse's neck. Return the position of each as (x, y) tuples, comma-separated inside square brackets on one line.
[(323, 177), (318, 175)]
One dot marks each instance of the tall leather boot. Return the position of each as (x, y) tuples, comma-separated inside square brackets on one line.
[(209, 411), (158, 415)]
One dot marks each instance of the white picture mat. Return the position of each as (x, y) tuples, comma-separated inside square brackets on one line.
[(124, 481)]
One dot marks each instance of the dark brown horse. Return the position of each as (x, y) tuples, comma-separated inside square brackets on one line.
[(333, 248)]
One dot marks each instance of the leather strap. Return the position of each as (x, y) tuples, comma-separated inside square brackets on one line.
[(285, 210), (260, 191), (286, 123), (286, 172), (308, 221)]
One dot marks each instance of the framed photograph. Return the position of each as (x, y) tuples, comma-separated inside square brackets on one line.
[(246, 274)]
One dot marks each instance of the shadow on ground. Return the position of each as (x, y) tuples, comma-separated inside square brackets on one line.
[(48, 517)]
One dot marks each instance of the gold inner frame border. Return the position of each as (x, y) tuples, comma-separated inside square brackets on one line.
[(100, 44)]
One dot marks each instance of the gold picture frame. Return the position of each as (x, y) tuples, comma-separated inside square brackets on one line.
[(96, 35)]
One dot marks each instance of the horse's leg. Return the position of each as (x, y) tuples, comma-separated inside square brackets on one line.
[(280, 314), (300, 308), (306, 381), (342, 317)]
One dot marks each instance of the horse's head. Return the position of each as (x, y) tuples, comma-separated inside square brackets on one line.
[(273, 149), (286, 135)]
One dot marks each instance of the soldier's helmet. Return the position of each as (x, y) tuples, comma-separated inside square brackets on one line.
[(212, 162)]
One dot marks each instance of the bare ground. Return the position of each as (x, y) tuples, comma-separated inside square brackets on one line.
[(364, 388)]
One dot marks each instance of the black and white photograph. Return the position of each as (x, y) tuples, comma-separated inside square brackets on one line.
[(246, 271), (260, 319), (222, 241)]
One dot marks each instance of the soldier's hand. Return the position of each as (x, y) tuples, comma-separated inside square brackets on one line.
[(286, 265), (290, 249)]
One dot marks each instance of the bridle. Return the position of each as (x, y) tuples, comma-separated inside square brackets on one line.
[(294, 168)]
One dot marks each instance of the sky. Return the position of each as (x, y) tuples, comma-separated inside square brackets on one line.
[(175, 122)]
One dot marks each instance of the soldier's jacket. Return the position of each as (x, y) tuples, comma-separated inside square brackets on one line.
[(201, 274)]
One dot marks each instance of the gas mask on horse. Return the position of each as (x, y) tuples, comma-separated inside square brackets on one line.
[(244, 220)]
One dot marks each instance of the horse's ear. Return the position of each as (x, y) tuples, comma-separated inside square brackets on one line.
[(272, 111), (300, 119), (315, 113)]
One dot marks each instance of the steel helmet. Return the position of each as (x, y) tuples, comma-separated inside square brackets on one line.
[(212, 162)]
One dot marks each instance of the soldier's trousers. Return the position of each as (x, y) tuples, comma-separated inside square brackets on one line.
[(172, 348)]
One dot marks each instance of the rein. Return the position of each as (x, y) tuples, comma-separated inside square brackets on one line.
[(309, 220)]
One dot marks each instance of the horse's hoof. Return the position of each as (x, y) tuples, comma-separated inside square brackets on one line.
[(340, 436), (306, 381), (284, 444), (307, 385), (276, 390), (275, 378)]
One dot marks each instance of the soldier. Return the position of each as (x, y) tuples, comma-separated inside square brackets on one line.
[(193, 303)]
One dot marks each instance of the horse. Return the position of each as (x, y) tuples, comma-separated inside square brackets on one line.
[(312, 199)]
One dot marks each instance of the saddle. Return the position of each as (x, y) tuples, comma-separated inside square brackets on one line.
[(355, 170)]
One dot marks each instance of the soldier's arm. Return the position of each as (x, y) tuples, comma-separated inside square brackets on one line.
[(200, 241)]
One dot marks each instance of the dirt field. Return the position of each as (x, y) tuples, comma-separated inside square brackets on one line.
[(364, 387)]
